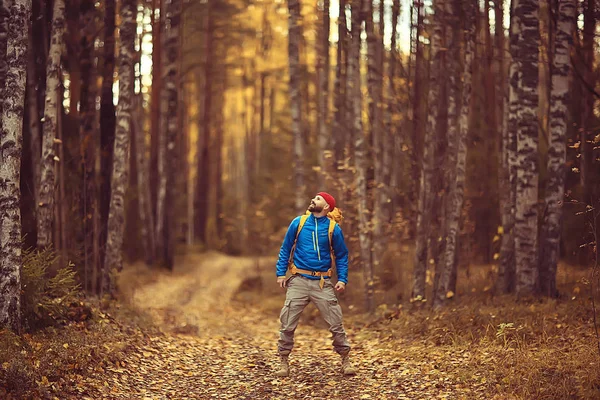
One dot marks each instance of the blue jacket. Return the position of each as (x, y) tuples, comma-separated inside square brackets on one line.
[(312, 250)]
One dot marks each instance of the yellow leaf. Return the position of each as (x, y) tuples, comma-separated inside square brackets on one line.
[(496, 256), (44, 381), (5, 365), (496, 238), (450, 294), (500, 230), (66, 345), (576, 290)]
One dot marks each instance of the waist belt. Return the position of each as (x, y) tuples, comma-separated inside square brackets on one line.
[(295, 270)]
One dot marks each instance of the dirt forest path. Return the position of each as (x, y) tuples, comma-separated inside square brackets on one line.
[(215, 348)]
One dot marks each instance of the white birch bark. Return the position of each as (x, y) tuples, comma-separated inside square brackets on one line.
[(11, 139), (559, 115), (427, 165), (526, 215), (457, 155), (506, 267), (116, 215), (49, 157)]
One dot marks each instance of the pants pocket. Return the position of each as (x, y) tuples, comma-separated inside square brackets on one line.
[(284, 316), (335, 312)]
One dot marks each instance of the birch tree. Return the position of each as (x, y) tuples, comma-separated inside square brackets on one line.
[(13, 94), (427, 164), (295, 31), (49, 156), (116, 215), (457, 155), (526, 216), (555, 187), (506, 267)]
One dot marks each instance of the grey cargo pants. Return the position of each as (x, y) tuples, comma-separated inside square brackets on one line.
[(300, 291)]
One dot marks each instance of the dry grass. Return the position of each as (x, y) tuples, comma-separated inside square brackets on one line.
[(534, 348)]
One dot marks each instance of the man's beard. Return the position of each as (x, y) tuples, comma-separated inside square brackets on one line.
[(314, 208)]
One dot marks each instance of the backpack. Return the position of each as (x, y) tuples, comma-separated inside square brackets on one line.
[(303, 219)]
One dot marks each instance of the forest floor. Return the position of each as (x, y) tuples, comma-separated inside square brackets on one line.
[(209, 330)]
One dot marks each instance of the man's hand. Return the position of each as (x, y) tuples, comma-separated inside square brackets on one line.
[(281, 281), (340, 286)]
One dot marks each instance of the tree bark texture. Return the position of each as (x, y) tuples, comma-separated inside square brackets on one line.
[(526, 216), (427, 161), (49, 156), (11, 140), (506, 267), (458, 127), (559, 116), (107, 119), (116, 216)]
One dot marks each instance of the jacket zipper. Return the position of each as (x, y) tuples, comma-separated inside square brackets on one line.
[(317, 238)]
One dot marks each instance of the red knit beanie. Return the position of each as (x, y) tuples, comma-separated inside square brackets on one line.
[(329, 199)]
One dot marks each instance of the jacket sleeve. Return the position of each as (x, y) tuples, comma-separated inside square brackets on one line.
[(341, 254), (286, 247)]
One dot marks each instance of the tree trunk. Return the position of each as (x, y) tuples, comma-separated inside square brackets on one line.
[(47, 182), (34, 123), (416, 106), (360, 149), (162, 161), (587, 100), (526, 216), (107, 124), (87, 132), (323, 96), (13, 94), (501, 96), (143, 188), (171, 88), (339, 89), (458, 125), (374, 88), (555, 187), (427, 164), (155, 104), (506, 266), (204, 162), (116, 216), (296, 103)]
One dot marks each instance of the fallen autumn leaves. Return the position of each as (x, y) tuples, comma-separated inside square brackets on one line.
[(227, 350)]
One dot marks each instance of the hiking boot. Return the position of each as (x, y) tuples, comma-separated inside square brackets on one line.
[(284, 367), (347, 367)]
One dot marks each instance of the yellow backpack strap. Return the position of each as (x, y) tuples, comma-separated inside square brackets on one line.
[(300, 225), (332, 224)]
